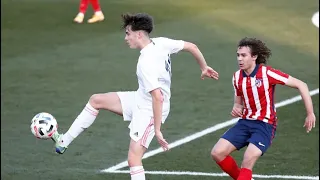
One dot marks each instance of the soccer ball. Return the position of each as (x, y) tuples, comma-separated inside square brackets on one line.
[(43, 125)]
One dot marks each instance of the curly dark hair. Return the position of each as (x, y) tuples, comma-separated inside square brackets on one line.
[(139, 21), (258, 48)]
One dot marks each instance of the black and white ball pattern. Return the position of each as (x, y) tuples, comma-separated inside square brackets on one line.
[(43, 125)]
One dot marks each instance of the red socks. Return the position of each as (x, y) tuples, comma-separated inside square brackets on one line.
[(95, 5), (83, 6), (230, 166), (245, 174)]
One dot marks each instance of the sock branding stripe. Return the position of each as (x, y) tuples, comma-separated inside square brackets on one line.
[(90, 111), (91, 108), (137, 172)]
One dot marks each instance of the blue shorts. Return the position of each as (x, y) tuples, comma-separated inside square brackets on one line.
[(255, 132)]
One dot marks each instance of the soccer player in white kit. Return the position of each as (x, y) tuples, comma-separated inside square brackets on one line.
[(146, 108)]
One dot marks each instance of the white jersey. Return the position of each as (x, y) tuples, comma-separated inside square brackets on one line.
[(154, 70)]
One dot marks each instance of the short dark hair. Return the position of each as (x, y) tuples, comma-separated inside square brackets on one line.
[(258, 48), (139, 21)]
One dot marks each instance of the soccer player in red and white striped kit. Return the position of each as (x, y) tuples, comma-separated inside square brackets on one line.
[(254, 84), (97, 16)]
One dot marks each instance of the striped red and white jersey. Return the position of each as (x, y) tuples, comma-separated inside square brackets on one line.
[(257, 92)]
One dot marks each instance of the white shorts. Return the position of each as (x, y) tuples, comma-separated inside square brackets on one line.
[(142, 123)]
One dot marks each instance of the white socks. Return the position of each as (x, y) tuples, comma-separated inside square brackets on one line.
[(98, 13), (81, 14), (82, 122), (137, 173)]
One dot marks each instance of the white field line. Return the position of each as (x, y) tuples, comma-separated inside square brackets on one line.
[(203, 133), (188, 173)]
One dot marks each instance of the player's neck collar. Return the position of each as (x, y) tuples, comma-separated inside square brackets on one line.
[(254, 72), (147, 47)]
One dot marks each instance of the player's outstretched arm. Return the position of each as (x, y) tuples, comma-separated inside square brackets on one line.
[(207, 71), (310, 121), (157, 102)]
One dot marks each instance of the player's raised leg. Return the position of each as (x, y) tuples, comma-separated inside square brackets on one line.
[(98, 15), (82, 10), (221, 155), (108, 101)]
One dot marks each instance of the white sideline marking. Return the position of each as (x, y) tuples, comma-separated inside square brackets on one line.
[(315, 19), (188, 173), (203, 133)]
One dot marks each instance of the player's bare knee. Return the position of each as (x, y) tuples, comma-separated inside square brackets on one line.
[(218, 154), (130, 161), (95, 101), (134, 160), (249, 160), (221, 150)]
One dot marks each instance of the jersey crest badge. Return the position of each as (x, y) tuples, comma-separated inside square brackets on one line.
[(258, 82)]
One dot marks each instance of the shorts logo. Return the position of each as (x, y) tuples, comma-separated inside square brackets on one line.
[(258, 82), (136, 134), (261, 144)]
